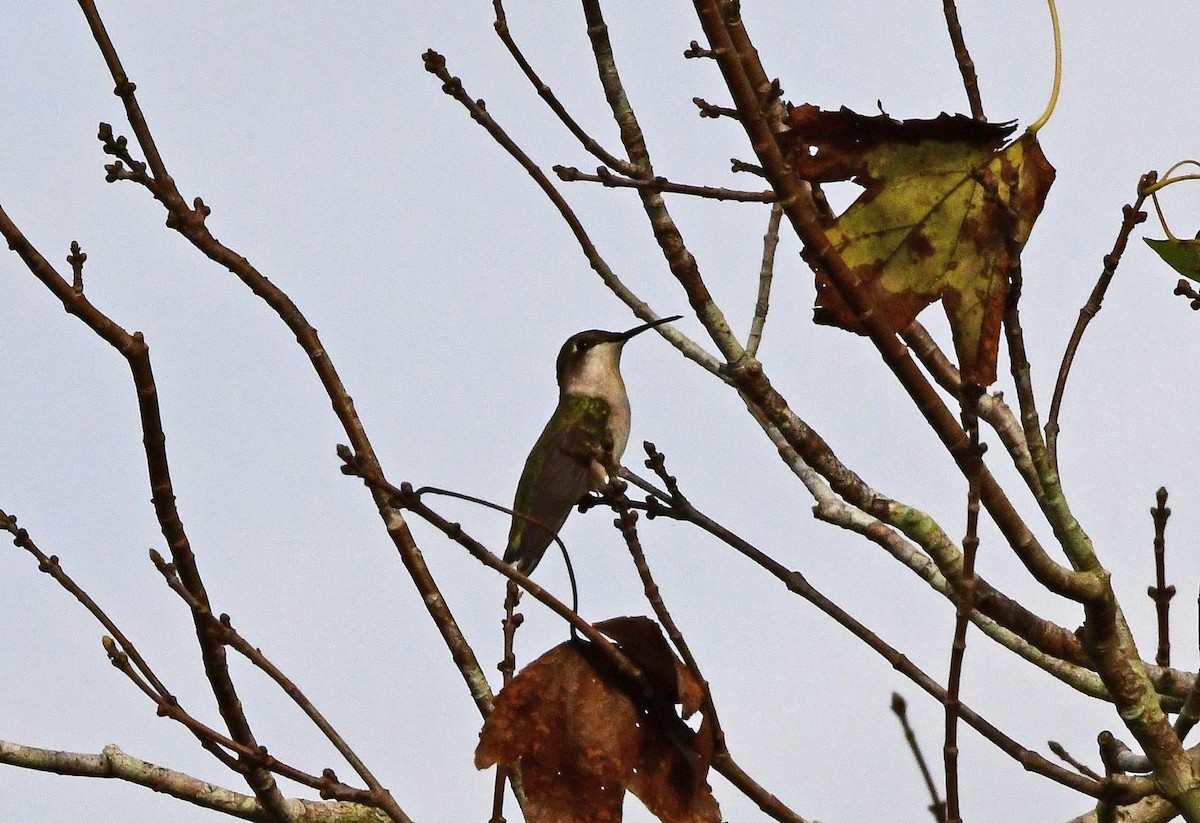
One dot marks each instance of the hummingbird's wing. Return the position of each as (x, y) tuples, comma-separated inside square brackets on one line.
[(556, 477)]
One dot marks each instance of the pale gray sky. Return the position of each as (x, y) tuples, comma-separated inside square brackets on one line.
[(443, 284)]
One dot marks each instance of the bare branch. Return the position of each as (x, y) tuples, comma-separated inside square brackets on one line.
[(750, 86), (1066, 757), (137, 354), (547, 94), (1160, 592), (223, 628), (937, 806), (570, 174), (675, 251), (1132, 215), (707, 109), (190, 222), (112, 763), (964, 604), (992, 407), (626, 523), (966, 66), (436, 64), (766, 274), (798, 584)]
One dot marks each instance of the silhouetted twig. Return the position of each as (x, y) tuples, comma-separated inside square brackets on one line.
[(1132, 215), (1184, 288), (964, 603), (1065, 756), (75, 260), (570, 174), (966, 66), (222, 627), (137, 354), (741, 167), (707, 109), (435, 64), (125, 658), (992, 407), (766, 274), (936, 805), (1160, 592), (798, 584), (547, 94), (626, 523)]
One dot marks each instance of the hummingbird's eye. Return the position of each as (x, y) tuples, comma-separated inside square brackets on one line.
[(583, 345)]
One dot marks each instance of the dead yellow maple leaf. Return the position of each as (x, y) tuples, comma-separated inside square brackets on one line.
[(946, 209), (582, 734)]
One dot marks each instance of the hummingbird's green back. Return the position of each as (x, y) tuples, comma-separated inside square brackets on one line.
[(557, 474)]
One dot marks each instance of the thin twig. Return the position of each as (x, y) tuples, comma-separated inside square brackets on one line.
[(249, 759), (964, 605), (709, 110), (190, 222), (936, 805), (570, 174), (547, 94), (1160, 592), (798, 584), (222, 627), (435, 64), (1066, 757), (137, 354), (1132, 215), (126, 658), (508, 666), (145, 679), (1185, 289), (50, 565), (741, 167), (966, 66), (766, 274), (992, 407), (666, 231), (626, 523), (406, 497)]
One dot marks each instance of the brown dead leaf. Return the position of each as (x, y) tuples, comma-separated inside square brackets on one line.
[(582, 734)]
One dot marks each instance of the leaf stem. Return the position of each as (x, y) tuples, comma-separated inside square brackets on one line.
[(1152, 190), (1041, 121)]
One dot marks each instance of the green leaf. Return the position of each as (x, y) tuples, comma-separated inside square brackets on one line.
[(1181, 255)]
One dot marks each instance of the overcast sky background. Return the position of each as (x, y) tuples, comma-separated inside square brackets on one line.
[(443, 284)]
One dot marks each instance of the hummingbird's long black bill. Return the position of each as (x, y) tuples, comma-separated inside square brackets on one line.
[(636, 330)]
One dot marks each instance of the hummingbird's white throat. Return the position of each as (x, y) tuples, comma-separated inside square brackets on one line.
[(599, 375)]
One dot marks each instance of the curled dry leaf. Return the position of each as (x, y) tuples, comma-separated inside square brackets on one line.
[(582, 734), (945, 210)]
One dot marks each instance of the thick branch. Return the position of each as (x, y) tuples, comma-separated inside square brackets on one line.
[(112, 763)]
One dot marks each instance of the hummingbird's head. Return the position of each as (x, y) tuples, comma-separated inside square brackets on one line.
[(589, 362)]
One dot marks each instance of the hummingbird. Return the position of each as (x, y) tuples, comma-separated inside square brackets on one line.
[(592, 412)]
